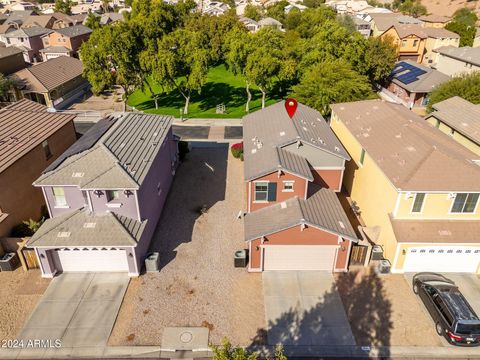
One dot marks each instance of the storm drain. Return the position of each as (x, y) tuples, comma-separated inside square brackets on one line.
[(185, 338)]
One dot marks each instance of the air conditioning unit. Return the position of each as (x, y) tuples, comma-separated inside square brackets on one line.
[(384, 266), (377, 253)]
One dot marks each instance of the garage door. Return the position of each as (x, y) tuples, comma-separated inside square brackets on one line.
[(69, 260), (442, 259), (299, 257)]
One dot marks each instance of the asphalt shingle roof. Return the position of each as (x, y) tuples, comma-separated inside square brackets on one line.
[(9, 51), (467, 54), (73, 31), (28, 32), (322, 210)]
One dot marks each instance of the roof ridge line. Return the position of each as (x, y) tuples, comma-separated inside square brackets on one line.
[(117, 162), (124, 229)]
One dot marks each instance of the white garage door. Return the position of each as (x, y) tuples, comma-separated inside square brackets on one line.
[(442, 259), (299, 257), (90, 260)]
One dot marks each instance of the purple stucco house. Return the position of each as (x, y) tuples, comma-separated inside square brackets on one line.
[(105, 195)]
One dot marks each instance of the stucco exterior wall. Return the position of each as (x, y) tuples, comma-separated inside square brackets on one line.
[(299, 189), (127, 200), (409, 45), (331, 179), (23, 201), (74, 198), (295, 236), (57, 39), (430, 57), (453, 67)]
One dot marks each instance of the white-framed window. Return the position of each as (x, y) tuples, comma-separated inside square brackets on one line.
[(46, 149), (261, 191), (288, 186), (418, 202), (59, 196), (112, 195), (362, 157), (465, 203)]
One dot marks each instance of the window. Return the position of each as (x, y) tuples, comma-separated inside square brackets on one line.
[(46, 149), (261, 191), (112, 195), (418, 203), (415, 42), (59, 196), (465, 203), (404, 43), (288, 186), (362, 156)]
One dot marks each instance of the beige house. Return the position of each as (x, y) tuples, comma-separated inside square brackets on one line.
[(434, 21), (437, 38), (459, 119), (454, 61), (381, 22)]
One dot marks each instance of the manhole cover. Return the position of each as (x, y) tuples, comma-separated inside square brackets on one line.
[(186, 337)]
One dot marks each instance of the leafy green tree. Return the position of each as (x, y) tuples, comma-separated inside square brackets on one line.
[(92, 21), (413, 8), (5, 86), (181, 63), (313, 3), (330, 82), (313, 21), (64, 6), (293, 19), (463, 23), (253, 12), (347, 22), (466, 86), (277, 11), (226, 351)]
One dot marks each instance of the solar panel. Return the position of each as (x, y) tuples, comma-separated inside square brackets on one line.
[(89, 139)]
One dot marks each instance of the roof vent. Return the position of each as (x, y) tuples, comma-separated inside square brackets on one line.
[(254, 151), (398, 136), (155, 134), (122, 145), (304, 128), (259, 144), (89, 225), (63, 234), (444, 232), (78, 174), (337, 149), (321, 141), (411, 148), (282, 133), (342, 225), (283, 205)]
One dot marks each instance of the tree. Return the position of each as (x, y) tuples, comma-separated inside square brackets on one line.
[(313, 3), (5, 86), (347, 22), (92, 21), (277, 11), (413, 8), (330, 82), (463, 23), (466, 86), (253, 12), (64, 6), (105, 6), (228, 352), (181, 63)]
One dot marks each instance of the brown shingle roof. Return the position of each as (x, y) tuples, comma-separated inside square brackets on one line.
[(434, 18), (9, 51), (50, 74), (322, 210), (23, 127), (412, 154)]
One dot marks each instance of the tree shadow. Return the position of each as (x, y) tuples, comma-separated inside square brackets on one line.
[(319, 322), (199, 183)]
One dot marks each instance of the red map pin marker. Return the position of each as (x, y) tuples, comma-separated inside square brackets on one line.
[(291, 107)]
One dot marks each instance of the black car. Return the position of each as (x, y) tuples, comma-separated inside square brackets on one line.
[(453, 316)]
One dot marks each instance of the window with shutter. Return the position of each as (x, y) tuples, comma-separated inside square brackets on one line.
[(272, 191)]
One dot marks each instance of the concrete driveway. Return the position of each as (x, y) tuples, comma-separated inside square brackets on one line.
[(304, 308), (78, 308)]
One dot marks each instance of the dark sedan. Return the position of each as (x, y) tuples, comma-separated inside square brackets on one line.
[(453, 316)]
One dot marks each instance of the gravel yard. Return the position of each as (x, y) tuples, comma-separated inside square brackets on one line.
[(196, 237), (19, 294)]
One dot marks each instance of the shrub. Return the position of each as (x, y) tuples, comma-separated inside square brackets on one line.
[(183, 149), (237, 150), (21, 230)]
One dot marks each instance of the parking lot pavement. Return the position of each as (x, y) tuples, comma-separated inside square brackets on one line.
[(304, 308), (78, 308)]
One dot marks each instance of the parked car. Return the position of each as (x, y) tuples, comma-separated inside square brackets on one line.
[(453, 316)]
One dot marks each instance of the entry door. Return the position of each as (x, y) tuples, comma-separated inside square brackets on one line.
[(442, 259), (299, 257)]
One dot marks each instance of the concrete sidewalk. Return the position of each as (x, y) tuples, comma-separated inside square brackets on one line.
[(208, 122)]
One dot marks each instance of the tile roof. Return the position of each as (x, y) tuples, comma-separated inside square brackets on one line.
[(425, 82), (38, 20), (439, 33), (75, 30), (404, 30), (413, 155), (384, 21), (467, 54), (322, 210), (110, 229), (23, 126), (461, 115), (434, 18), (28, 32), (50, 74), (268, 129), (436, 231), (115, 153), (9, 51)]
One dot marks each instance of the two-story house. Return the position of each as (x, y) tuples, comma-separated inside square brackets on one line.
[(437, 38), (410, 40), (381, 22), (29, 40), (30, 140), (64, 42), (293, 169), (460, 119), (416, 188), (455, 61), (105, 195), (434, 21)]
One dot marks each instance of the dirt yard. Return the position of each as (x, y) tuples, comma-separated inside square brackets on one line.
[(448, 7), (19, 294), (196, 237), (383, 310)]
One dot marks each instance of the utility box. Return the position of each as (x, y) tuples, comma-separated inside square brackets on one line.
[(377, 252), (384, 266), (152, 262), (240, 258), (9, 262)]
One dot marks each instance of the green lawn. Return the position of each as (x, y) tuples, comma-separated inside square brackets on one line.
[(222, 87)]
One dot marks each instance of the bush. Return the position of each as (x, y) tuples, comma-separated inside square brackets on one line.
[(237, 150), (21, 230), (183, 149)]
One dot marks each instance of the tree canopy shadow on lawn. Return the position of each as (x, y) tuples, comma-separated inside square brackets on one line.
[(199, 183), (366, 306)]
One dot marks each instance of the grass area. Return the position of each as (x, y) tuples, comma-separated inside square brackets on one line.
[(222, 87)]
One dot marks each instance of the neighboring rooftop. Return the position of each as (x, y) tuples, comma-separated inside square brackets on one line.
[(117, 152), (268, 21), (412, 154), (440, 33), (73, 31), (383, 21), (467, 54), (56, 50), (50, 74), (28, 32), (266, 131), (321, 210), (417, 78), (82, 228), (404, 30), (461, 115), (9, 51), (38, 20), (434, 18), (23, 126)]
